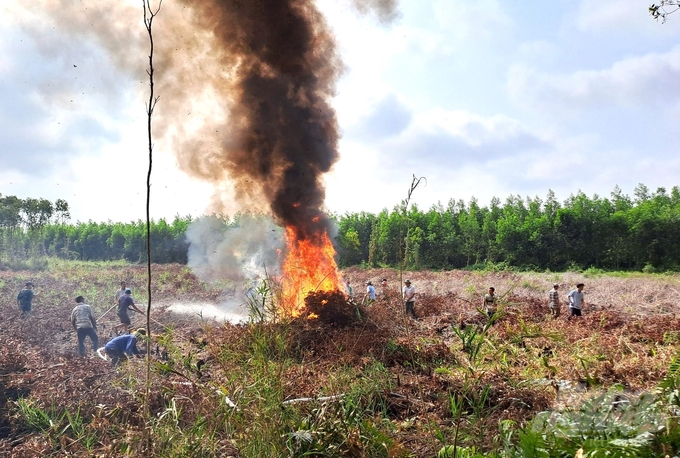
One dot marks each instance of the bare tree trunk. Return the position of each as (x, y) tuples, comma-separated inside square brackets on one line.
[(149, 15)]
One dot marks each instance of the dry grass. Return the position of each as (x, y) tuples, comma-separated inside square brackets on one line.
[(408, 369)]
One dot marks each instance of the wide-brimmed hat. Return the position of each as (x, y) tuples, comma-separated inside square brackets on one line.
[(407, 281)]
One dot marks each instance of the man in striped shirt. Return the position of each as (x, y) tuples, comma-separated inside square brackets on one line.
[(554, 301)]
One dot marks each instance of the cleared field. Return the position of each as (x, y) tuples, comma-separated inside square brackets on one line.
[(221, 389)]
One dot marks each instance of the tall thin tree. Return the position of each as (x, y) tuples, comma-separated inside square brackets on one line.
[(149, 15)]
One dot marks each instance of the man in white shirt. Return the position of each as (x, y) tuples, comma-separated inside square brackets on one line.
[(410, 299), (490, 302), (576, 300)]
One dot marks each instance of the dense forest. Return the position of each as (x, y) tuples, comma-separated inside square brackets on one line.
[(619, 232)]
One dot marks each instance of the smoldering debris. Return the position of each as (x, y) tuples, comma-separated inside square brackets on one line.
[(236, 251)]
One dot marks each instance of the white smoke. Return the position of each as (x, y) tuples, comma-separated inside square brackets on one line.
[(233, 313), (236, 255), (240, 252)]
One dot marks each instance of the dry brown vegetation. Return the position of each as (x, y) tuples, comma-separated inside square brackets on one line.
[(407, 369)]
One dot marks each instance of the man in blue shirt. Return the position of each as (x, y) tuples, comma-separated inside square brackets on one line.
[(123, 347), (370, 295)]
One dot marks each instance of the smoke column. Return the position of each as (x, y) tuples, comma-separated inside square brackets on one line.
[(282, 131), (245, 89)]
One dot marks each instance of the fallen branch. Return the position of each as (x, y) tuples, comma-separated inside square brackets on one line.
[(319, 399)]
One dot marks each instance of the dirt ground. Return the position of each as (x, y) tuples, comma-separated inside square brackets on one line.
[(632, 320)]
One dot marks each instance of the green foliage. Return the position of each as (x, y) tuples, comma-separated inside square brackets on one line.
[(608, 425), (592, 234), (55, 423), (663, 9), (338, 429)]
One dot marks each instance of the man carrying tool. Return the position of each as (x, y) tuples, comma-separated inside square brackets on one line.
[(370, 295), (126, 303), (85, 325), (124, 347)]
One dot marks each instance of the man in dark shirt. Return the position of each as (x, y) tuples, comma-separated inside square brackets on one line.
[(126, 303), (25, 299)]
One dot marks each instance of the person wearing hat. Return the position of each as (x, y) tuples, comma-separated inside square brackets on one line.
[(25, 299), (554, 301), (85, 325), (124, 347), (410, 299), (370, 296), (126, 303), (576, 300)]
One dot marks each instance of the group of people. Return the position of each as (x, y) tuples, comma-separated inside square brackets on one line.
[(575, 299), (371, 295), (83, 321)]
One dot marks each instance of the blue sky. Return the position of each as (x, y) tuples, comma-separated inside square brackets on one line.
[(482, 98)]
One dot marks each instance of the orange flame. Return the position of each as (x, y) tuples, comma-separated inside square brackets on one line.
[(308, 267)]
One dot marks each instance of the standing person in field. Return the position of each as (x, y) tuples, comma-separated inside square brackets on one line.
[(409, 292), (370, 296), (121, 291), (123, 347), (348, 286), (85, 325), (126, 303), (554, 301), (383, 288), (576, 300), (25, 299), (490, 302)]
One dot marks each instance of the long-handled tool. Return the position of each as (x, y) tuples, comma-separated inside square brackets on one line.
[(104, 314)]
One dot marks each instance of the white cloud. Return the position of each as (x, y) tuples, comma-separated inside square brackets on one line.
[(479, 21), (653, 79), (618, 16)]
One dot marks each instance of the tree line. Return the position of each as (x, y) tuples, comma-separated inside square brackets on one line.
[(619, 232), (34, 228)]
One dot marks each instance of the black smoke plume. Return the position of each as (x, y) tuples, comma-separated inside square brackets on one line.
[(282, 132), (245, 89)]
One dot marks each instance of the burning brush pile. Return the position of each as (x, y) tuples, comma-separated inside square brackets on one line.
[(331, 307)]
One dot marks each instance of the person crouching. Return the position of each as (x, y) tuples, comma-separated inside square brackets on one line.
[(124, 347)]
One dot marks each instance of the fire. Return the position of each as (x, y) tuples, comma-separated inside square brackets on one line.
[(308, 267)]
